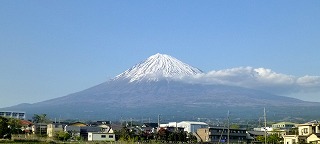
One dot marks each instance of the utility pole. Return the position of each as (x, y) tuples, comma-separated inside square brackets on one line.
[(265, 125), (228, 127), (158, 122)]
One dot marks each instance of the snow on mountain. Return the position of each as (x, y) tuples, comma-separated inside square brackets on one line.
[(158, 66)]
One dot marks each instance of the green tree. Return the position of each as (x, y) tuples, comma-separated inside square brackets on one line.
[(273, 138), (62, 136), (260, 138), (4, 128), (40, 118), (14, 125), (126, 134), (191, 138)]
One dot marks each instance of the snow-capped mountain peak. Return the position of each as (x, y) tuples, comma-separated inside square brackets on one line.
[(157, 67)]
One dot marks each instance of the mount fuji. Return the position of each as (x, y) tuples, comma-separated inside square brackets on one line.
[(158, 67), (158, 85)]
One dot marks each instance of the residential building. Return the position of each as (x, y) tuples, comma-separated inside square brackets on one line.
[(98, 136), (284, 125), (220, 134), (149, 127), (309, 128), (39, 128), (53, 128), (13, 114), (85, 130), (79, 130), (307, 132), (74, 131), (314, 138), (294, 139), (26, 126)]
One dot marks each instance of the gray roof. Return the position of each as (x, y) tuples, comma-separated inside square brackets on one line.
[(257, 133)]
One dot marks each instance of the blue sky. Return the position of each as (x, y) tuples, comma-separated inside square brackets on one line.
[(50, 49)]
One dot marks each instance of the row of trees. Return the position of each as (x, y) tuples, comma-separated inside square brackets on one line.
[(163, 135)]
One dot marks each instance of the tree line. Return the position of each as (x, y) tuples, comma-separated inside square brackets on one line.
[(128, 134)]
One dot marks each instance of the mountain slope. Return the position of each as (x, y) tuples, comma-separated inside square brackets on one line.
[(154, 87)]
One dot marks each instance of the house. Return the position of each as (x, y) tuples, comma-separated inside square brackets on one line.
[(79, 129), (314, 138), (293, 139), (149, 127), (116, 127), (74, 131), (220, 134), (84, 131), (26, 126), (53, 128), (39, 128), (101, 136), (307, 132), (309, 128)]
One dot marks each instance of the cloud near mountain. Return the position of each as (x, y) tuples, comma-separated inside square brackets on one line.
[(162, 66), (259, 78)]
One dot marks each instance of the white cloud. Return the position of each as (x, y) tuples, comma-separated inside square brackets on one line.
[(260, 78)]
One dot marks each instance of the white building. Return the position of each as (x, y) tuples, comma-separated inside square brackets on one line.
[(97, 136), (189, 126), (307, 133), (268, 129), (309, 128), (13, 114), (284, 125)]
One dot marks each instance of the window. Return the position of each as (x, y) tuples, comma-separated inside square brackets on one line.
[(103, 136), (110, 136), (305, 130)]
